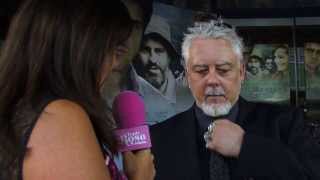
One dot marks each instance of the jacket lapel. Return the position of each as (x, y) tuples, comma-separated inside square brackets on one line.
[(245, 108), (188, 140)]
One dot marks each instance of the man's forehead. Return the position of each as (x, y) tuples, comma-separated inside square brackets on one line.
[(213, 60), (220, 53), (152, 43), (208, 62)]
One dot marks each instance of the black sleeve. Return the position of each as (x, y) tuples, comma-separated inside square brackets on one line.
[(297, 158)]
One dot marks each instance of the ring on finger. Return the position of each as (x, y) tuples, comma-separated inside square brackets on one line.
[(208, 133)]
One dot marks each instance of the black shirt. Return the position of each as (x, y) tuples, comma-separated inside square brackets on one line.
[(203, 122)]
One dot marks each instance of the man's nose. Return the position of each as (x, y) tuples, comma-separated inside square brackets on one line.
[(212, 78), (153, 57)]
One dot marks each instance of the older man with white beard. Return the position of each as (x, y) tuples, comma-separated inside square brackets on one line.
[(223, 136)]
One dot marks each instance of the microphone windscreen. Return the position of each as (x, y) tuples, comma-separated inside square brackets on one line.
[(128, 110), (129, 114)]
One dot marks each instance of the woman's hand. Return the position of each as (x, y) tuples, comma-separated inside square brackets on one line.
[(139, 165)]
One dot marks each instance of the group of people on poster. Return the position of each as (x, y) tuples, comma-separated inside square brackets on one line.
[(267, 73), (269, 62)]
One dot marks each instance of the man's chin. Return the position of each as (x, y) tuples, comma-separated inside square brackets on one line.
[(216, 109), (154, 82), (154, 71)]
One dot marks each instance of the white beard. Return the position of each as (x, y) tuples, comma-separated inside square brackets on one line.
[(215, 110)]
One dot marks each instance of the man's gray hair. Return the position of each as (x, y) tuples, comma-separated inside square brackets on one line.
[(213, 29)]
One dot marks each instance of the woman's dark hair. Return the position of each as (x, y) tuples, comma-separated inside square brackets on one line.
[(281, 46), (57, 47)]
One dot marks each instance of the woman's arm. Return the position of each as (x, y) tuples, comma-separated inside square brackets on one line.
[(63, 146)]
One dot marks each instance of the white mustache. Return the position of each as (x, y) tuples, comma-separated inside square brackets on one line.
[(217, 91)]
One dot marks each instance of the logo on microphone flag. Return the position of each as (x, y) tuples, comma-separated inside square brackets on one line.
[(133, 138)]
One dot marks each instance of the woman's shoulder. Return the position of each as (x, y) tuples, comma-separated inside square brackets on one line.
[(61, 107), (62, 134), (63, 116)]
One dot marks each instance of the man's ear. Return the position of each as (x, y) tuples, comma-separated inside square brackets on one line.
[(186, 81), (242, 71), (186, 74)]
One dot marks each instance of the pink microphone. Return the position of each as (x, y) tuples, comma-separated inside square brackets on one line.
[(129, 113)]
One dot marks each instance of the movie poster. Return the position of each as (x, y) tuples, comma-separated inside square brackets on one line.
[(267, 73), (312, 70), (158, 68)]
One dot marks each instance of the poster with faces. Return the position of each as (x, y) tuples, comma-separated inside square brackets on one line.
[(267, 73), (312, 69), (158, 67)]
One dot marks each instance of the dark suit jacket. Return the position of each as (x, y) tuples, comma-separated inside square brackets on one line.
[(275, 146)]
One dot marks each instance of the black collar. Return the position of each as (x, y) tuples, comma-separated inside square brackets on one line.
[(204, 120)]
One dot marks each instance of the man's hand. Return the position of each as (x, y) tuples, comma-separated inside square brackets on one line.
[(226, 138)]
